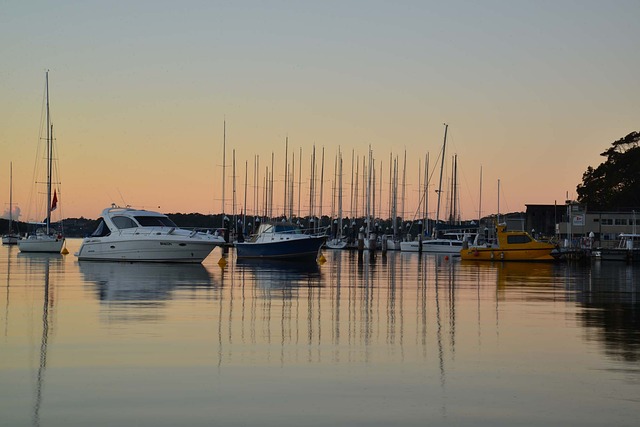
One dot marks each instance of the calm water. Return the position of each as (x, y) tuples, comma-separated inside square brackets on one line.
[(402, 340)]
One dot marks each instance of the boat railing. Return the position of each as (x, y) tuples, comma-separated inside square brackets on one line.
[(147, 231)]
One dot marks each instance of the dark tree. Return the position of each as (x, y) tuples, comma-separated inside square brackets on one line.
[(615, 184)]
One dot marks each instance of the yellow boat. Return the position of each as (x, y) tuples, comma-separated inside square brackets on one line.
[(511, 246)]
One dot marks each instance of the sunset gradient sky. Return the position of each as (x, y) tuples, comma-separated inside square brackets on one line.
[(533, 92)]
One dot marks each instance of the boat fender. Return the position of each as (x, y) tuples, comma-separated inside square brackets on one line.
[(491, 255), (501, 255), (476, 253)]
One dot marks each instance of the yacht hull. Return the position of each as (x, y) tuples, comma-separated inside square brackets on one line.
[(497, 254), (306, 249), (146, 250)]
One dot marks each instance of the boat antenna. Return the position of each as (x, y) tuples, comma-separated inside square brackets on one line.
[(121, 197)]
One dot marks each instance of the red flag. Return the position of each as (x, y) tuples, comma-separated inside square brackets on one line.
[(54, 202)]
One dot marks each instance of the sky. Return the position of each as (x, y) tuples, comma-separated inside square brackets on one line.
[(532, 92)]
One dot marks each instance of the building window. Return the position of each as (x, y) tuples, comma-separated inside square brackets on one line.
[(621, 221), (607, 221)]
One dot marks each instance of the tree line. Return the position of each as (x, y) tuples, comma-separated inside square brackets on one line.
[(615, 184)]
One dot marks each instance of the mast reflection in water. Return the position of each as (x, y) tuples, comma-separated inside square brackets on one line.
[(400, 339)]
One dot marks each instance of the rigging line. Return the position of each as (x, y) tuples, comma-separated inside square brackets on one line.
[(32, 206)]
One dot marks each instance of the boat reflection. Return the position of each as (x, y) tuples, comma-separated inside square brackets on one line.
[(516, 274), (142, 282), (39, 258), (280, 274)]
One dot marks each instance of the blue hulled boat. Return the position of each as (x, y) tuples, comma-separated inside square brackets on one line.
[(281, 241)]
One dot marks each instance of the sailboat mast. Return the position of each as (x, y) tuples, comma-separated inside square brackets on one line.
[(498, 201), (404, 182), (368, 202), (444, 146), (224, 155), (256, 210), (334, 189), (390, 193), (292, 185), (286, 170), (339, 232), (10, 197), (351, 199), (233, 184), (426, 194), (244, 210), (311, 182), (321, 190), (455, 189), (480, 200), (49, 155), (394, 203), (271, 186), (299, 182)]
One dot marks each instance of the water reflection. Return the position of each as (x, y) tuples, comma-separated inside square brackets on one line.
[(429, 337), (8, 291), (606, 295), (141, 283), (277, 274), (611, 309), (39, 265)]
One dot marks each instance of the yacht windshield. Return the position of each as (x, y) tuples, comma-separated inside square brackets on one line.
[(102, 230), (286, 228), (123, 222), (155, 221)]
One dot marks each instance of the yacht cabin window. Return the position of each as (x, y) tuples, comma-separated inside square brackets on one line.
[(155, 221), (123, 222)]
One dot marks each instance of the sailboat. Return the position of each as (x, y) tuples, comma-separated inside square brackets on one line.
[(11, 238), (448, 242), (45, 238)]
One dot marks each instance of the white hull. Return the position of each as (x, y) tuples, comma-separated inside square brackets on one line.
[(164, 248), (371, 243), (41, 244), (442, 246), (125, 234), (336, 244), (10, 239), (393, 245)]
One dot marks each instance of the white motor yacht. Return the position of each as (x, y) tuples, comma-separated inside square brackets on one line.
[(126, 234)]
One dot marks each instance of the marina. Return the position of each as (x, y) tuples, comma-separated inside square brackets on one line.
[(402, 339), (320, 214)]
